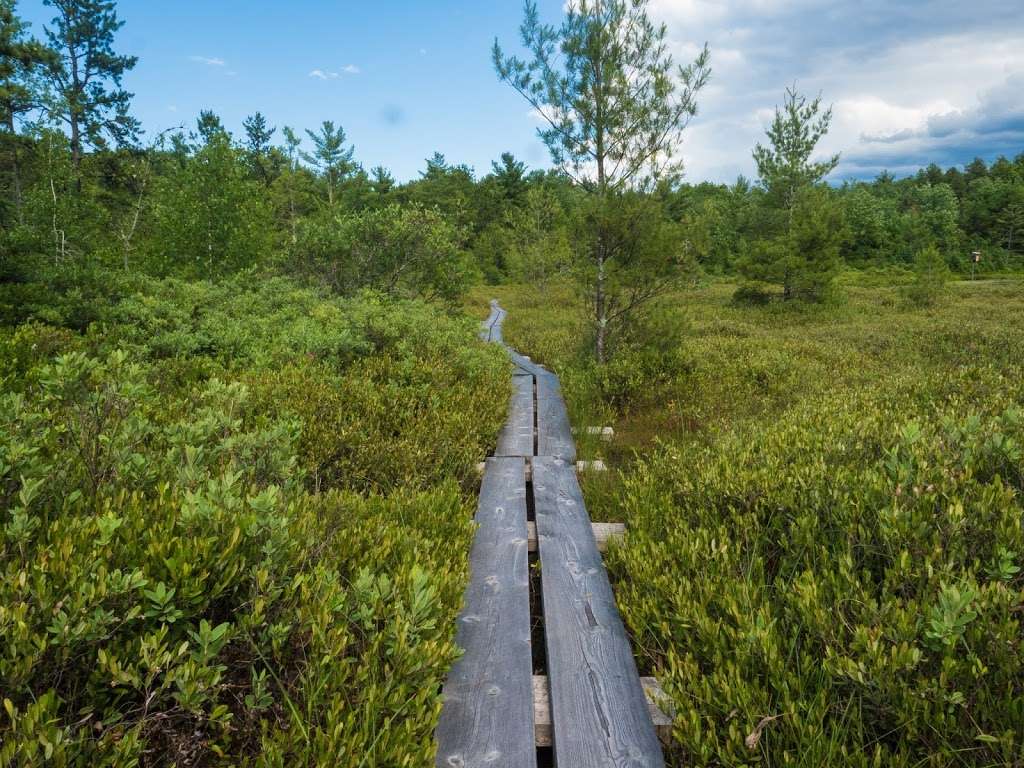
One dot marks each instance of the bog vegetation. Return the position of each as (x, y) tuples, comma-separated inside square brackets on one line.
[(825, 518), (233, 519), (241, 402)]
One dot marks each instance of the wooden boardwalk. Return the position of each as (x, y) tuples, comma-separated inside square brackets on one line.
[(596, 713)]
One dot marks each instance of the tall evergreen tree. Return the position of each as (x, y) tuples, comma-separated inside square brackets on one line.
[(805, 225), (86, 75), (330, 156), (257, 142), (510, 176), (785, 166), (615, 105), (292, 142), (20, 57), (381, 180), (976, 169), (209, 126), (1011, 224)]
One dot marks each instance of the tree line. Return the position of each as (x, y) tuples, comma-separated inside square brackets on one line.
[(81, 189)]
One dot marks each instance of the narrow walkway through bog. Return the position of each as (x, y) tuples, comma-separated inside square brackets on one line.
[(500, 708)]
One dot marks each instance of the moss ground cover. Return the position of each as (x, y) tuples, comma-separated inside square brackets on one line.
[(825, 544), (235, 522)]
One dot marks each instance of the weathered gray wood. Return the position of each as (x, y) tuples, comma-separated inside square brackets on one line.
[(527, 365), (554, 435), (603, 534), (491, 327), (656, 698), (487, 717), (598, 707), (516, 437)]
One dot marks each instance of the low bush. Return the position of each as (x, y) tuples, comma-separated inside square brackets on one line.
[(174, 590), (841, 587), (407, 252), (754, 294)]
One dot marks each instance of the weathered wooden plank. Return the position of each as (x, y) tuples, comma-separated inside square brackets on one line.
[(554, 435), (603, 533), (598, 707), (487, 717), (542, 709), (597, 465), (491, 327), (516, 437), (527, 365)]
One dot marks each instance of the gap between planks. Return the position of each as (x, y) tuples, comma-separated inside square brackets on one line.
[(597, 465)]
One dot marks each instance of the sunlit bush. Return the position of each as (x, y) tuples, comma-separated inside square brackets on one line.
[(169, 583)]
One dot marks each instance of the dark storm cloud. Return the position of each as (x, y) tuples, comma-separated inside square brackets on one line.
[(994, 127)]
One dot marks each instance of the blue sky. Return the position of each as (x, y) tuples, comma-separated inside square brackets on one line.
[(911, 82)]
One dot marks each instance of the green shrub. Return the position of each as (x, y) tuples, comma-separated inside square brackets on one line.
[(931, 274), (754, 294), (408, 252), (856, 581), (170, 590), (380, 426)]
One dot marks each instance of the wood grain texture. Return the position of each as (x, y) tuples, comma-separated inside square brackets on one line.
[(487, 717), (516, 437), (554, 435), (527, 365), (603, 533), (542, 709), (599, 711)]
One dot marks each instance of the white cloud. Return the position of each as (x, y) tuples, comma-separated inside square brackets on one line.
[(211, 61), (330, 74), (897, 74)]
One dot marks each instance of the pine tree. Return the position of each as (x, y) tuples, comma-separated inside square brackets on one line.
[(931, 274), (510, 176), (615, 105), (86, 75), (1011, 225), (802, 252), (20, 58), (785, 166), (257, 142), (209, 126), (292, 142), (330, 157), (381, 180)]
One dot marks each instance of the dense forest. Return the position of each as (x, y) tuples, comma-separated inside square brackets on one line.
[(242, 401), (84, 189)]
